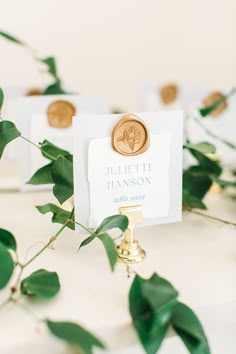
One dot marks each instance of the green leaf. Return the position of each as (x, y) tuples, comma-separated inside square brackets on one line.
[(10, 38), (7, 239), (189, 328), (113, 222), (51, 64), (6, 266), (229, 144), (1, 98), (62, 173), (110, 248), (151, 303), (208, 165), (75, 335), (42, 175), (192, 202), (205, 111), (60, 216), (55, 89), (204, 147), (41, 283), (52, 152), (8, 132), (196, 182), (87, 240)]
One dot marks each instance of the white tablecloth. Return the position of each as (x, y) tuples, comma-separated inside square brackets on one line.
[(198, 256)]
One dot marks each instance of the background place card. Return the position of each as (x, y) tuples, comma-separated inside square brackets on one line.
[(31, 118), (105, 179), (155, 96), (223, 126)]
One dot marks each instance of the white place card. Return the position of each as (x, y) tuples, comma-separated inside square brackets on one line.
[(223, 126), (105, 180), (150, 97), (32, 120)]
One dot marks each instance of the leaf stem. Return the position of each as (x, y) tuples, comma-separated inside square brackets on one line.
[(129, 270), (27, 309), (213, 135), (50, 157), (46, 246), (226, 222), (83, 227), (18, 277), (231, 93), (31, 142), (52, 239)]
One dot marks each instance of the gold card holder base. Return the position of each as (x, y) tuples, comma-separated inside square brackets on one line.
[(129, 251)]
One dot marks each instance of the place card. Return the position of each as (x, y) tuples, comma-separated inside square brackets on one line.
[(124, 160), (155, 96), (222, 125), (48, 117)]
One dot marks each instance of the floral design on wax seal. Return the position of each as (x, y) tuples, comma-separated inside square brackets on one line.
[(60, 114), (169, 93), (130, 136), (212, 98)]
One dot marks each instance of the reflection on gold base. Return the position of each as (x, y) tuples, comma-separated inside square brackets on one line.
[(130, 252)]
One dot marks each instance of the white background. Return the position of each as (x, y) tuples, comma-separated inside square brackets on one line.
[(109, 47)]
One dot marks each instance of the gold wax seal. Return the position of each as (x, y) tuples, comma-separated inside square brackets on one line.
[(168, 93), (34, 92), (130, 136), (60, 114), (213, 97)]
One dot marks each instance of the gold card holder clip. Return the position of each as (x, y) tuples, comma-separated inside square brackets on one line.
[(129, 250)]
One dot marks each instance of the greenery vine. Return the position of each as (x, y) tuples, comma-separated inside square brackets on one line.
[(49, 63), (153, 302)]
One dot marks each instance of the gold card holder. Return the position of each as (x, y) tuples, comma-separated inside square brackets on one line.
[(129, 250)]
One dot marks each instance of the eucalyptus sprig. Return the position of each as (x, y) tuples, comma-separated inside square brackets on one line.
[(49, 63)]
